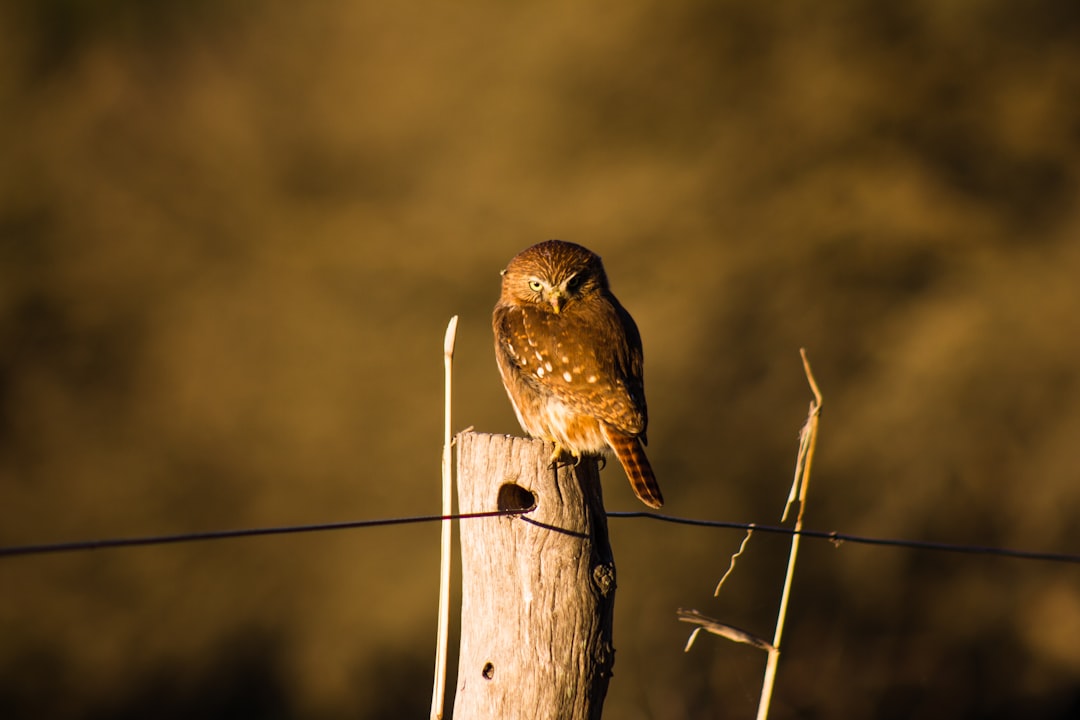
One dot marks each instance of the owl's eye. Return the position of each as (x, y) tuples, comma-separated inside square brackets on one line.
[(573, 283), (536, 285)]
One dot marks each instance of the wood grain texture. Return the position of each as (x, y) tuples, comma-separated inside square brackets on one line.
[(538, 591)]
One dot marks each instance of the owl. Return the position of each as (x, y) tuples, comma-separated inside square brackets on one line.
[(571, 361)]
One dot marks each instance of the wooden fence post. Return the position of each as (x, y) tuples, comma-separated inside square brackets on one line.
[(538, 591)]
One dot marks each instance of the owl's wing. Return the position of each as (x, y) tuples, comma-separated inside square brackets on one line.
[(591, 361), (631, 363)]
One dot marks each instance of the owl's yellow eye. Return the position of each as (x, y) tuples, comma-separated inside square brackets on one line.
[(536, 285)]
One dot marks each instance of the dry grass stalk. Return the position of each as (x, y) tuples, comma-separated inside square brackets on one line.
[(438, 692), (704, 622), (731, 565), (800, 483), (807, 443)]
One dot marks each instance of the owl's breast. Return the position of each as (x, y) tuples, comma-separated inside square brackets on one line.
[(544, 415)]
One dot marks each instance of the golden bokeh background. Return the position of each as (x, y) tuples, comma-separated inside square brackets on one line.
[(231, 237)]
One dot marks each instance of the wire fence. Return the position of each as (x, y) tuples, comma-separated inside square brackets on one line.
[(837, 538)]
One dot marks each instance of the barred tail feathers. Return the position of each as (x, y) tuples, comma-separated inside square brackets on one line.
[(632, 457)]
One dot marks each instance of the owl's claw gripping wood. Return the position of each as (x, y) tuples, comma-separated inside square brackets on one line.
[(556, 455), (561, 457), (570, 359)]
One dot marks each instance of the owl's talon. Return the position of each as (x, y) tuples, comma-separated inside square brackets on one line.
[(562, 462), (559, 457)]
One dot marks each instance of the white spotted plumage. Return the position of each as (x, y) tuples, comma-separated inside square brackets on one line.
[(585, 391)]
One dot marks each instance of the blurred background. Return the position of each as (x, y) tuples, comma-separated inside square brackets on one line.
[(231, 237)]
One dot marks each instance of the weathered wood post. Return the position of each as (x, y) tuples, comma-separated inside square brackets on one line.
[(538, 591)]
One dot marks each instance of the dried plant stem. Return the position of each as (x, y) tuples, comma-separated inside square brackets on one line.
[(807, 442), (438, 693), (734, 559)]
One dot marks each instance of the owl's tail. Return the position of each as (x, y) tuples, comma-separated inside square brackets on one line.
[(632, 457)]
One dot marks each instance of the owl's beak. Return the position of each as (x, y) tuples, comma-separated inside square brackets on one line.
[(557, 300)]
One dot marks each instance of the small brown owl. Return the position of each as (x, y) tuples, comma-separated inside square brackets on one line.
[(571, 360)]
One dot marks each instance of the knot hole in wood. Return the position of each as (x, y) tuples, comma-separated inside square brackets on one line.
[(513, 497)]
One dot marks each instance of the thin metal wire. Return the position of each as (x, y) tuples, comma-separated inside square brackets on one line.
[(836, 538), (80, 545), (839, 538)]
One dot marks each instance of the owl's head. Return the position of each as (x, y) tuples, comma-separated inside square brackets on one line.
[(553, 274)]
